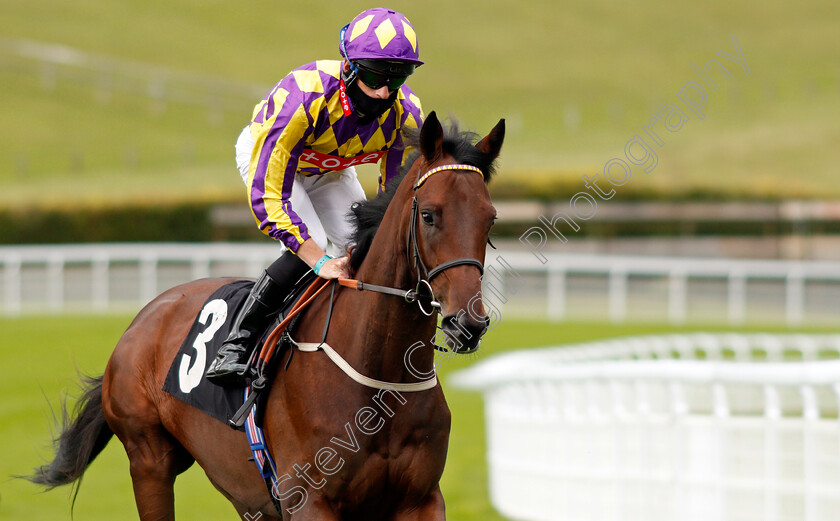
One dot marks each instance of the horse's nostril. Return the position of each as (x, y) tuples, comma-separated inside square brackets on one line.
[(457, 325), (448, 322), (474, 326)]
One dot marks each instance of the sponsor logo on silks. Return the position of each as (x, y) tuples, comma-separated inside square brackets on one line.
[(330, 162), (342, 95)]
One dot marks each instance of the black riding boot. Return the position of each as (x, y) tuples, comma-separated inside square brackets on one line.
[(266, 296)]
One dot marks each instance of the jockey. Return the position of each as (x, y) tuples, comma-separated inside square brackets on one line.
[(297, 158)]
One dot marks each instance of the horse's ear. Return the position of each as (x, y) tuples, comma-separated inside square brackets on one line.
[(492, 142), (431, 138)]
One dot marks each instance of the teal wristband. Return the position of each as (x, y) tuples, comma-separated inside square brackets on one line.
[(318, 265)]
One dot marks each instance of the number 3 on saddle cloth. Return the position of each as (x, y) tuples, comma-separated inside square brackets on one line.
[(185, 379)]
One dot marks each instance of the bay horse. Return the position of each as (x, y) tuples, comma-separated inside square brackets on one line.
[(386, 465)]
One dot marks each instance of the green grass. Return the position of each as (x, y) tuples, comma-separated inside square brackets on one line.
[(40, 357), (772, 133)]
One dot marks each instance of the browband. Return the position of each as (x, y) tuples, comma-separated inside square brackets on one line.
[(437, 169)]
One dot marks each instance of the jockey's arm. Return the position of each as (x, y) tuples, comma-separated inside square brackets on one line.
[(272, 179)]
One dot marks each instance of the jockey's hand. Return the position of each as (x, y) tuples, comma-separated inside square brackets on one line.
[(335, 268), (310, 253)]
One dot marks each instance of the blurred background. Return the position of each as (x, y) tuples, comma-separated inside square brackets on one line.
[(118, 125)]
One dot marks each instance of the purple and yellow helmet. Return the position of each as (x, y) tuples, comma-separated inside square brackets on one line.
[(380, 34)]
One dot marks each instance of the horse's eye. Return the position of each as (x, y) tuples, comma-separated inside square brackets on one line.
[(428, 218)]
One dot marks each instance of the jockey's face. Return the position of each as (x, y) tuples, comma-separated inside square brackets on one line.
[(380, 93)]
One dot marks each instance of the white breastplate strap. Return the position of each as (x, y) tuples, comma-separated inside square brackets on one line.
[(359, 377)]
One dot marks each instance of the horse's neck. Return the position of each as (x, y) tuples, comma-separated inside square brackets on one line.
[(386, 325)]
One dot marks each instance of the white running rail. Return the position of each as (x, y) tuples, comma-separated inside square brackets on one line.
[(103, 277), (665, 428), (806, 291), (99, 277)]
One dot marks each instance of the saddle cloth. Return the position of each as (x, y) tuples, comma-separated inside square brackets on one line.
[(185, 378)]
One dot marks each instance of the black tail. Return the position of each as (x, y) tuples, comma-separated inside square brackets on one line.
[(84, 434)]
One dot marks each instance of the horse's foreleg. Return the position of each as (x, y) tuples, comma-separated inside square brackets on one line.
[(432, 510)]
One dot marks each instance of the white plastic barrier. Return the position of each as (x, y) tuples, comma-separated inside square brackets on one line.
[(674, 428), (101, 277)]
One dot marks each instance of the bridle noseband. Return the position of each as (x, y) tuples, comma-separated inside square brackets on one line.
[(425, 275)]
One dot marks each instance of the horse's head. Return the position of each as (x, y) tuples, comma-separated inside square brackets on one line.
[(450, 225)]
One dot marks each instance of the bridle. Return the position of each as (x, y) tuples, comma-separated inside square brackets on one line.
[(424, 275), (423, 290)]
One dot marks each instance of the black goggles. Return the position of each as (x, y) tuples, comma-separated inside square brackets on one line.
[(376, 79)]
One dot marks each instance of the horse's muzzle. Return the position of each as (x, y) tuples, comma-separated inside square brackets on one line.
[(463, 331)]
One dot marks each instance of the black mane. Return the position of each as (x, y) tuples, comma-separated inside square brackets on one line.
[(366, 216)]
